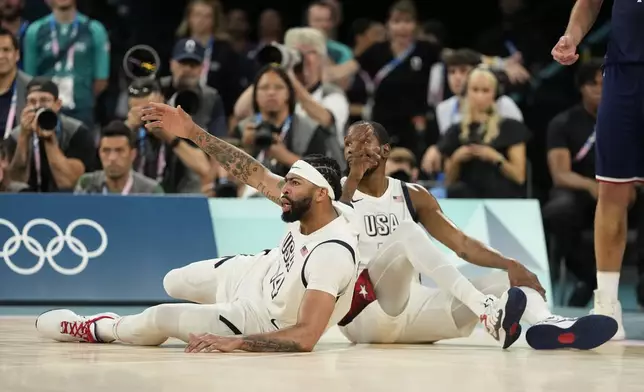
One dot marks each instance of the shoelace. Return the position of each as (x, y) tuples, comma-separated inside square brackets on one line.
[(77, 329)]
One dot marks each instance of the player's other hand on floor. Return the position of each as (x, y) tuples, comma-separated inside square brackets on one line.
[(565, 51), (520, 276), (207, 343)]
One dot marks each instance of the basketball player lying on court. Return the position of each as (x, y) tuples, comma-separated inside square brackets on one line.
[(389, 304), (278, 300)]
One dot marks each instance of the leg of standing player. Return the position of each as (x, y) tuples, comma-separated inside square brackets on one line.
[(620, 162), (409, 250)]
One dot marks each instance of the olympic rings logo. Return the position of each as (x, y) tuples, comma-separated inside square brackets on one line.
[(53, 248)]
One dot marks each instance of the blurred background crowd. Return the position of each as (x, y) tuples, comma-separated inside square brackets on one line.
[(460, 87)]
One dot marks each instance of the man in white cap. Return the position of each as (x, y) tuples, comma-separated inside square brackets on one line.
[(282, 299)]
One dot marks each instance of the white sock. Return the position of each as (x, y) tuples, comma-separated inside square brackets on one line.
[(608, 284), (536, 309), (427, 259)]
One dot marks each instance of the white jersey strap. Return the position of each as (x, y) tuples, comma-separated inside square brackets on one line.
[(410, 205)]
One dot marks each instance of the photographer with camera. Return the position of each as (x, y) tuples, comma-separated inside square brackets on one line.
[(182, 88), (304, 55), (277, 134), (50, 150), (172, 161)]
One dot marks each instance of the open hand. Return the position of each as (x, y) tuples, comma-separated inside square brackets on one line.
[(565, 51), (207, 343), (520, 276), (173, 120)]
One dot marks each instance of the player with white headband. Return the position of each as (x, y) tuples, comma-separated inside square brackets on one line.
[(282, 299)]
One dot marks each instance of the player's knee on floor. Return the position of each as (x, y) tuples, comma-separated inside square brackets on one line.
[(173, 284)]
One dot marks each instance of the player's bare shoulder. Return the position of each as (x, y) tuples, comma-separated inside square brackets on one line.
[(421, 198)]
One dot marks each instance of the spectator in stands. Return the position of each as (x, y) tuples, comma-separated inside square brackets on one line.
[(204, 22), (325, 104), (204, 104), (117, 152), (571, 160), (277, 134), (399, 100), (459, 64), (320, 16), (13, 84), (366, 32), (337, 18), (6, 184), (175, 163), (238, 29), (79, 59), (11, 20), (269, 29), (49, 154), (402, 165), (485, 153)]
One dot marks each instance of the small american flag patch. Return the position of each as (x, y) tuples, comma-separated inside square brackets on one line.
[(398, 198), (304, 251)]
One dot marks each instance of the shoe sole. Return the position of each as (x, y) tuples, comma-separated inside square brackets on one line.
[(586, 333), (514, 309)]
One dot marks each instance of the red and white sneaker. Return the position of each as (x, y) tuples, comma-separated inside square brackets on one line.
[(502, 316), (63, 325)]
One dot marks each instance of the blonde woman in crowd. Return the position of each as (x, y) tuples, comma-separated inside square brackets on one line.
[(486, 155)]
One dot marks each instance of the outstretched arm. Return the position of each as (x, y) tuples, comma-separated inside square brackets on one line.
[(467, 248), (234, 160), (239, 164), (582, 17)]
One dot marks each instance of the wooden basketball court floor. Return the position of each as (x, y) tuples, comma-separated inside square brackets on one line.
[(28, 363)]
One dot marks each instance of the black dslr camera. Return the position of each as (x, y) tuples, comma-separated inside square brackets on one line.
[(264, 134)]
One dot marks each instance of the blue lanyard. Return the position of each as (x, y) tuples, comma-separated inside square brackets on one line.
[(393, 64), (11, 116), (285, 127), (22, 30), (55, 44), (509, 45)]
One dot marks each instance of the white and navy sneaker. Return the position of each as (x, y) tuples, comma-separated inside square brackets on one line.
[(502, 316), (611, 308), (584, 333), (63, 325)]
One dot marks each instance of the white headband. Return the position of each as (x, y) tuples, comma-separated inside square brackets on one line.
[(309, 173)]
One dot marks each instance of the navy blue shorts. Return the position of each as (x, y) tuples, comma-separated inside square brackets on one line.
[(619, 145)]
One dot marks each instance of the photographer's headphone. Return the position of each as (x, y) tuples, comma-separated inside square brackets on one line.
[(498, 91)]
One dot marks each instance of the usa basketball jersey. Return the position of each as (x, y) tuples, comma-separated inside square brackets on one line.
[(378, 217), (285, 283)]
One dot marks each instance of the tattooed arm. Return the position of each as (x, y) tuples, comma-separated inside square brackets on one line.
[(239, 164), (235, 161), (314, 315)]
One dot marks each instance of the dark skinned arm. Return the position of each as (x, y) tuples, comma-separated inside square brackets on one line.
[(440, 227)]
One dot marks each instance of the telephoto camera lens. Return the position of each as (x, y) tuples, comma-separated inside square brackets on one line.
[(47, 119), (189, 101)]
